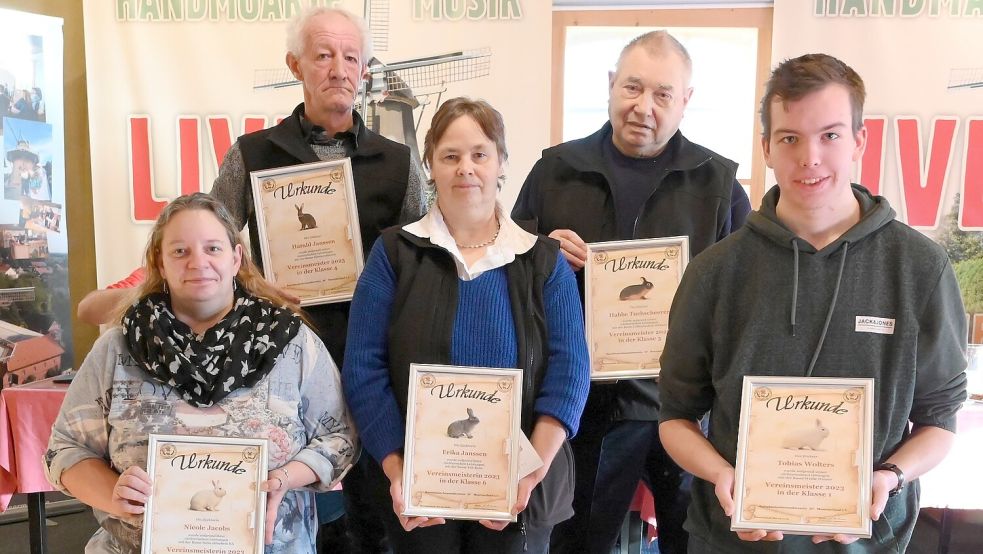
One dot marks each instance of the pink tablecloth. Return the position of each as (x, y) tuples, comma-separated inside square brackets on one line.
[(26, 415), (645, 505), (954, 482)]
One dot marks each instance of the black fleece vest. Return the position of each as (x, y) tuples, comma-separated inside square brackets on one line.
[(421, 325), (380, 168)]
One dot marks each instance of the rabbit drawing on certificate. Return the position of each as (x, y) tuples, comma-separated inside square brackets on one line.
[(207, 500), (811, 437), (636, 292), (307, 221), (462, 427)]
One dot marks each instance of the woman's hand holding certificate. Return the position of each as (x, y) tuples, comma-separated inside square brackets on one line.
[(130, 494), (392, 466), (526, 486)]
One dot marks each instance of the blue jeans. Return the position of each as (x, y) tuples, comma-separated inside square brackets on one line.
[(611, 459)]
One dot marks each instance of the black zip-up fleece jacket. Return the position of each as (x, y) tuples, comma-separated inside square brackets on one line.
[(734, 313), (569, 188)]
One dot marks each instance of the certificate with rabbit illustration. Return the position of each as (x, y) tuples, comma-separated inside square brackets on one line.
[(308, 229), (629, 287), (804, 459), (206, 495), (461, 455)]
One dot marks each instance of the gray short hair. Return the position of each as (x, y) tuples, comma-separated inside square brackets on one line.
[(295, 30), (657, 42)]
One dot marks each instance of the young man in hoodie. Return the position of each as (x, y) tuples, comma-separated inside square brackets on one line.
[(783, 296)]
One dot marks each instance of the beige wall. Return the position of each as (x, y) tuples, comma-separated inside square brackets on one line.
[(78, 183)]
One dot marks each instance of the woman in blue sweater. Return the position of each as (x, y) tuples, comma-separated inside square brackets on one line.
[(467, 286)]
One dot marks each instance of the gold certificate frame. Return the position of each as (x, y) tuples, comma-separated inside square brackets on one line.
[(206, 495), (804, 459), (629, 286), (461, 455), (307, 223)]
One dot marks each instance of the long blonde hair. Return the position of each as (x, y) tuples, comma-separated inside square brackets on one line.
[(248, 277)]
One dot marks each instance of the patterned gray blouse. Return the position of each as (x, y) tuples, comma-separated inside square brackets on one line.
[(112, 405)]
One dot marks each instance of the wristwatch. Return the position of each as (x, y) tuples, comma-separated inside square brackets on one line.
[(887, 466)]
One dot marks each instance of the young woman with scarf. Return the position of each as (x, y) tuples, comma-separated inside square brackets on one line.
[(209, 348)]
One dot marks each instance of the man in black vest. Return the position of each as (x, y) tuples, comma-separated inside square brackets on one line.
[(637, 177), (328, 52)]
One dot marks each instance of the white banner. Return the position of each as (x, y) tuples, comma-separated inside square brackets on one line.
[(173, 83)]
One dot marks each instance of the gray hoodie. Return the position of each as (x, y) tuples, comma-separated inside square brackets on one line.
[(765, 302)]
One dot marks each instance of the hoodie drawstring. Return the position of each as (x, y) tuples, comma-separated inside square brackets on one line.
[(829, 314), (795, 282)]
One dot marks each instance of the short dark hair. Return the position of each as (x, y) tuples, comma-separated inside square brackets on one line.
[(481, 112), (795, 78)]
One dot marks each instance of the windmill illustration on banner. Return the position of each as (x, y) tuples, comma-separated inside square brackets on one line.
[(394, 91), (965, 78)]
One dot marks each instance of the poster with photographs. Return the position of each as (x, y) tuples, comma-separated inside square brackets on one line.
[(206, 495), (308, 230), (35, 308), (461, 457), (629, 286), (40, 216), (804, 458)]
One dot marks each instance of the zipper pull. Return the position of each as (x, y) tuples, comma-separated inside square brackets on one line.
[(525, 543)]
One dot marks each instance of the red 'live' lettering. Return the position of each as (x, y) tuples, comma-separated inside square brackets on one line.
[(923, 184), (145, 206), (220, 131), (188, 132), (971, 206), (872, 163)]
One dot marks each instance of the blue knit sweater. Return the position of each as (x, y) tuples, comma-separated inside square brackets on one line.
[(484, 335)]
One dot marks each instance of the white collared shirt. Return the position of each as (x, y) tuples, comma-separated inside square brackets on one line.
[(512, 240)]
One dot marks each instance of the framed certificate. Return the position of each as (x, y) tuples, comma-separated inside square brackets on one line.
[(206, 495), (629, 287), (462, 442), (804, 460), (307, 223)]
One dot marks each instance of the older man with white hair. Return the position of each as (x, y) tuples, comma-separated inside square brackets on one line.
[(328, 51)]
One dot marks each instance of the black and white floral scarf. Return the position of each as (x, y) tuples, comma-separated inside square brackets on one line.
[(238, 351)]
